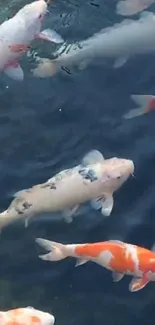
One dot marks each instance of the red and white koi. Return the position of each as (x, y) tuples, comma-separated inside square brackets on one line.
[(118, 257), (26, 316), (146, 104), (17, 33)]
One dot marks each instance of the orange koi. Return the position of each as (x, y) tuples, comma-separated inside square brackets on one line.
[(119, 257)]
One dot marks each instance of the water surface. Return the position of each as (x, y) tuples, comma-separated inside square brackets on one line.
[(47, 125)]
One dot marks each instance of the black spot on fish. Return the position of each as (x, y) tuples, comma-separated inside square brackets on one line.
[(52, 186), (88, 174), (26, 205), (19, 211), (45, 185), (23, 207)]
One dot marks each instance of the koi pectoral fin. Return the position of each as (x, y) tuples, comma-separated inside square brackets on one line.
[(27, 222), (81, 261), (137, 284), (68, 214), (107, 205), (134, 113), (14, 72), (104, 203), (96, 203), (116, 276), (50, 35), (119, 62)]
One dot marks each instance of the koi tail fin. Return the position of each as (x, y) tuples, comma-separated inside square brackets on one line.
[(143, 103), (45, 68), (57, 251)]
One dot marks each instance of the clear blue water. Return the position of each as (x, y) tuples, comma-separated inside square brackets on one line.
[(37, 139)]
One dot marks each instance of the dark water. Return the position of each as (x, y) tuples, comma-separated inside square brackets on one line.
[(48, 125)]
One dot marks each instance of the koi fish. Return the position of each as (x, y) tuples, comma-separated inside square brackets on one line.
[(132, 7), (108, 44), (95, 180), (17, 33), (26, 316), (118, 257), (146, 104)]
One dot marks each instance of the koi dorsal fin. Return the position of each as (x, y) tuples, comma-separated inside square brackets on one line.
[(20, 192), (92, 157), (153, 248), (115, 241)]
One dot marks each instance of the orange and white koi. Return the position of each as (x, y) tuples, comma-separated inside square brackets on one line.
[(94, 180), (15, 41), (26, 316), (132, 7), (146, 104), (117, 256)]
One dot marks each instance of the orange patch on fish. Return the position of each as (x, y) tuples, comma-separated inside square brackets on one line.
[(35, 320), (14, 322), (145, 256), (16, 48), (121, 263), (16, 312), (94, 250)]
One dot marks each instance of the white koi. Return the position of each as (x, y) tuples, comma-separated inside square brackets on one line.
[(118, 44), (95, 180)]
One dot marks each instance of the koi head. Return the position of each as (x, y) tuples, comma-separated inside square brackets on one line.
[(116, 171), (32, 16)]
